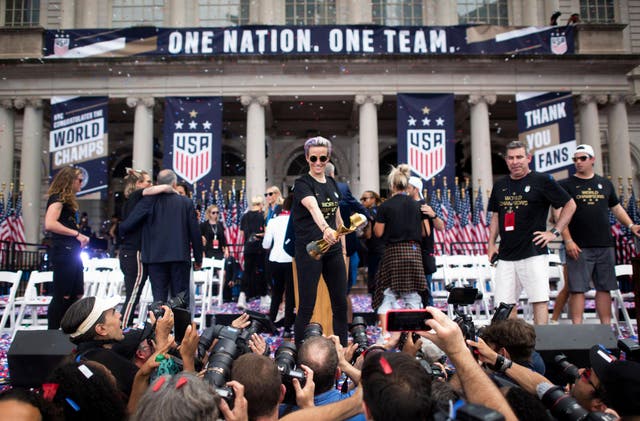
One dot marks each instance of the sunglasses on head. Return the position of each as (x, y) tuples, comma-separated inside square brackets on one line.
[(270, 193), (580, 158), (322, 158)]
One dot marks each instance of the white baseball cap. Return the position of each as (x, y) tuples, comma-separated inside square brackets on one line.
[(584, 148), (417, 183)]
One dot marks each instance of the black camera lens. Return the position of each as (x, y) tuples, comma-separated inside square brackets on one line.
[(286, 357), (570, 371), (359, 334), (312, 329), (219, 369)]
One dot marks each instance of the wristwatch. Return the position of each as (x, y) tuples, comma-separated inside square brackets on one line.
[(555, 232)]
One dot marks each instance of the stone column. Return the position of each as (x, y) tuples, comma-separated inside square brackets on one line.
[(31, 166), (369, 156), (87, 14), (142, 133), (256, 152), (590, 125), (619, 148), (481, 169), (6, 141), (530, 14)]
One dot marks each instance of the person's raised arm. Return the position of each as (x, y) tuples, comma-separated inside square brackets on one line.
[(158, 189), (477, 386), (525, 377)]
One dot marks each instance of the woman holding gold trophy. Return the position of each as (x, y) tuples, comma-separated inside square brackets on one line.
[(316, 216)]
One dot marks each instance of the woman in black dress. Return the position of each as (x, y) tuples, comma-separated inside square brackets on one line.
[(316, 215), (212, 231), (67, 241)]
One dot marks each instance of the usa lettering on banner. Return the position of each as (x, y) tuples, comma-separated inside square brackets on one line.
[(193, 139), (425, 135)]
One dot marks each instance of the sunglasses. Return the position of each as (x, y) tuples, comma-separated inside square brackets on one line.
[(214, 212), (269, 194), (580, 158), (322, 158), (364, 199)]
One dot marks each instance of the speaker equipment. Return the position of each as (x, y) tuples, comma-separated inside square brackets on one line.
[(574, 341), (34, 354)]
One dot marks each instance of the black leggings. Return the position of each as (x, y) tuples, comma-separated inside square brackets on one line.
[(68, 282), (282, 283), (335, 276)]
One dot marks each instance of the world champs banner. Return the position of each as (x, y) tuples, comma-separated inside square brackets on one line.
[(79, 137), (193, 139), (425, 135), (545, 123)]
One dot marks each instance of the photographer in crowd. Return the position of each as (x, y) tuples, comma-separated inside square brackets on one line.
[(514, 339), (608, 386)]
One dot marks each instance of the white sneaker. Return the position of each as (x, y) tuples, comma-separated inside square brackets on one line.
[(265, 301), (242, 301)]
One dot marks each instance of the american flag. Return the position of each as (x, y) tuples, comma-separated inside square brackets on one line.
[(465, 232), (450, 218), (438, 236), (6, 233), (480, 230), (4, 228), (622, 256), (632, 208), (17, 224)]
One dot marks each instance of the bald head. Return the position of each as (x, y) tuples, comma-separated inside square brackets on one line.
[(167, 177)]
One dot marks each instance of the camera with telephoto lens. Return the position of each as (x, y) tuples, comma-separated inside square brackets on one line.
[(564, 407), (358, 332), (259, 323), (218, 367), (569, 371), (285, 360), (177, 302), (433, 370)]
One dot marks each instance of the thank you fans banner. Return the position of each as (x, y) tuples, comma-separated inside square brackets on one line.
[(545, 124), (425, 135), (79, 137), (193, 139), (309, 40)]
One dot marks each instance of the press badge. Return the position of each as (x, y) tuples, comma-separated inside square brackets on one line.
[(215, 242), (509, 221)]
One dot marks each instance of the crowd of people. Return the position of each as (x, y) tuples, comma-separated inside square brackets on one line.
[(149, 375)]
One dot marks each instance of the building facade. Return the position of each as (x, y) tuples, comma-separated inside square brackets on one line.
[(273, 102)]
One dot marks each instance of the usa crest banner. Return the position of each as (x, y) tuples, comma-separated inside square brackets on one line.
[(193, 138), (545, 124), (79, 137), (426, 135)]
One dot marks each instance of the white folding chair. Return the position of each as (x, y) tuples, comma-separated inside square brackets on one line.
[(217, 278), (34, 300), (106, 263), (618, 300), (146, 298), (12, 279), (202, 292)]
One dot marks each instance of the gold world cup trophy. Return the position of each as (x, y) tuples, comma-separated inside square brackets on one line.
[(317, 249)]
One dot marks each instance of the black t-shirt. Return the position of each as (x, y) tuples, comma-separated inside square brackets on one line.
[(529, 199), (214, 239), (589, 226), (132, 240), (375, 244), (68, 219), (427, 241), (328, 197), (402, 218), (252, 223)]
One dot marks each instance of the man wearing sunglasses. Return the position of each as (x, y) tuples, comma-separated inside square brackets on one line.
[(588, 239)]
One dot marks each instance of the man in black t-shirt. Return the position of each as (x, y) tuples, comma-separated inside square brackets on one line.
[(588, 239), (520, 205)]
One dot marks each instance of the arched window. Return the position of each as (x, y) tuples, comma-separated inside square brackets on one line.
[(233, 164), (298, 166)]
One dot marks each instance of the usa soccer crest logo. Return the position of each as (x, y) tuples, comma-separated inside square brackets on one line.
[(61, 45), (426, 150), (192, 155), (558, 44)]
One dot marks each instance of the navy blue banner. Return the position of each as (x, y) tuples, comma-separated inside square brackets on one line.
[(309, 40), (545, 123), (426, 135), (79, 137), (193, 139)]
